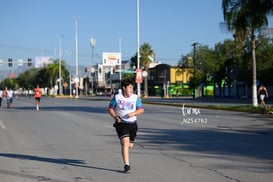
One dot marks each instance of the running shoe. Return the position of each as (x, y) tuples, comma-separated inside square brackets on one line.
[(126, 168)]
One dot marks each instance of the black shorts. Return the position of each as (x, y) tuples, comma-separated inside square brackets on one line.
[(127, 130), (38, 99)]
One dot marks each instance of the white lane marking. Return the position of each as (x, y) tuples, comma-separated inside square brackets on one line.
[(2, 125)]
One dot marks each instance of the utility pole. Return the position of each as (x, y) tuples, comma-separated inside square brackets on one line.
[(76, 42), (60, 65), (92, 44), (194, 66)]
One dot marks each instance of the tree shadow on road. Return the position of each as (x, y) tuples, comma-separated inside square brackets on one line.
[(71, 162), (222, 141)]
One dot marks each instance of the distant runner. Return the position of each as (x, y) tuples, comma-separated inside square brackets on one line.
[(37, 96)]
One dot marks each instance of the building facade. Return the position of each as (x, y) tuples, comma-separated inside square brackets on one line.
[(163, 80)]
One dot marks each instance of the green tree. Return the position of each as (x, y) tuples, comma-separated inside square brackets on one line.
[(205, 63), (146, 57), (9, 83), (264, 54), (226, 63), (28, 78), (246, 18), (52, 71), (45, 76), (133, 61), (185, 61), (202, 64)]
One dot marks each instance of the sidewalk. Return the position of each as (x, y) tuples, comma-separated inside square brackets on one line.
[(200, 101), (203, 101)]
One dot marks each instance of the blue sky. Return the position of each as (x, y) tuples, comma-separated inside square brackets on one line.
[(31, 28)]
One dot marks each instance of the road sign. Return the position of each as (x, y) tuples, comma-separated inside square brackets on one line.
[(20, 62), (138, 76), (65, 85), (128, 71), (144, 74), (76, 80)]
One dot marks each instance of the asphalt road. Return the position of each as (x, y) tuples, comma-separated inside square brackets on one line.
[(71, 140)]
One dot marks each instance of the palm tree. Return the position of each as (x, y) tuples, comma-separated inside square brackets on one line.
[(246, 18), (146, 57), (53, 72)]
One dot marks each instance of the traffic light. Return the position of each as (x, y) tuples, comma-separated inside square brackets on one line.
[(29, 62), (10, 62), (85, 69)]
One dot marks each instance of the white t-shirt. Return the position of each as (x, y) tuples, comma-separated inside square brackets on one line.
[(124, 105), (9, 93)]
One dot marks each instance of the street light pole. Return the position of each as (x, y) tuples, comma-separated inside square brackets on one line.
[(60, 65), (120, 62), (138, 84), (76, 42), (92, 44)]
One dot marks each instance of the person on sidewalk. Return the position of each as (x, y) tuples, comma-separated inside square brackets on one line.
[(37, 96), (124, 108), (262, 92), (9, 97)]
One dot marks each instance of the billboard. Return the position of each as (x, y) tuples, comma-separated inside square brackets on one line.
[(40, 62), (111, 58)]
